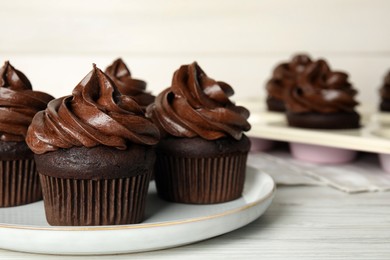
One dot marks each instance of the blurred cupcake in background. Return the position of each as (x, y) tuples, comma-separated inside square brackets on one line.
[(385, 94), (284, 77), (322, 99)]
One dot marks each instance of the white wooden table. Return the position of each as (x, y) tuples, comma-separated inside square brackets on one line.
[(309, 222)]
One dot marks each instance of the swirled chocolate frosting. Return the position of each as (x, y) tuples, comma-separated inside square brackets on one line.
[(18, 103), (120, 74), (196, 105), (95, 114), (285, 76), (322, 90), (385, 93)]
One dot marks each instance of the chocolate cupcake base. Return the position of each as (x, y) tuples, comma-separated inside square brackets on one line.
[(19, 183), (19, 180), (94, 202), (385, 105), (197, 171), (276, 105), (324, 121), (201, 180), (95, 186)]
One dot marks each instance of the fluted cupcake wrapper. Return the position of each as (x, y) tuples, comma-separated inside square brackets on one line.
[(19, 183), (200, 180), (70, 202)]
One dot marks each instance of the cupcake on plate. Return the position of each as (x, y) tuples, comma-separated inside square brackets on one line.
[(284, 77), (95, 154), (322, 99), (127, 85), (385, 94), (18, 105), (201, 158)]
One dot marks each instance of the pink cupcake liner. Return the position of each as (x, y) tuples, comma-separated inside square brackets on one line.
[(384, 160), (260, 144), (321, 154)]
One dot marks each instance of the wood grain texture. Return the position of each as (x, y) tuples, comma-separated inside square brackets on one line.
[(302, 223)]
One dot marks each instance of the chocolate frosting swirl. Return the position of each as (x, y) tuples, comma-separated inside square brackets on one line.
[(18, 103), (95, 114), (120, 74), (321, 90), (285, 76), (196, 105)]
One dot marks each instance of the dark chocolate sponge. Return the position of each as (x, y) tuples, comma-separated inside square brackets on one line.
[(385, 105), (198, 171), (15, 151), (99, 162), (199, 147), (324, 121), (19, 181), (274, 104)]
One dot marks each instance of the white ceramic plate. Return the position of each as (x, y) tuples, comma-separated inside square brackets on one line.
[(24, 228)]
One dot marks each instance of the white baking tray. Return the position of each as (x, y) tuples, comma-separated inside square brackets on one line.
[(373, 136)]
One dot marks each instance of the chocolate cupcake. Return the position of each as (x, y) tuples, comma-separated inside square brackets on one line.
[(120, 74), (322, 99), (201, 158), (385, 94), (284, 77), (94, 153), (18, 105)]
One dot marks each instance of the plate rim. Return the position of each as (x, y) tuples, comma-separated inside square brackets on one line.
[(269, 195)]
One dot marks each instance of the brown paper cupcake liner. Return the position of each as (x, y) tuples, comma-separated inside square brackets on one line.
[(200, 180), (70, 202), (19, 183)]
